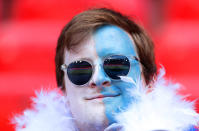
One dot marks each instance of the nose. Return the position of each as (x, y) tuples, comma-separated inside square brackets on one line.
[(99, 78)]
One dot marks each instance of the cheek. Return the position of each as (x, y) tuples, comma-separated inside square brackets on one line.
[(72, 93), (121, 103), (135, 71), (84, 111)]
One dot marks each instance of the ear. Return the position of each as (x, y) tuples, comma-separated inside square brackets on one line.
[(151, 84), (63, 88), (142, 77)]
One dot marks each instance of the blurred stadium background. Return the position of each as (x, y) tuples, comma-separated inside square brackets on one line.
[(29, 30)]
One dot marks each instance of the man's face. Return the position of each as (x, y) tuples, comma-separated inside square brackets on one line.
[(100, 108)]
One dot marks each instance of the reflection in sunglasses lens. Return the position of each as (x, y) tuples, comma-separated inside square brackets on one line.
[(79, 72), (116, 66)]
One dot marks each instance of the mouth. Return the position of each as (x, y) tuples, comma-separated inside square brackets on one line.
[(101, 96)]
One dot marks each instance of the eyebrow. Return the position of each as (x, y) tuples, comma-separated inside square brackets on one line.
[(113, 52), (82, 58)]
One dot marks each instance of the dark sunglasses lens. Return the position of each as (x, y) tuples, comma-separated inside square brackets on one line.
[(116, 66), (79, 72)]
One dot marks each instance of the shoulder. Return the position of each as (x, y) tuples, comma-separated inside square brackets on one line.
[(49, 112)]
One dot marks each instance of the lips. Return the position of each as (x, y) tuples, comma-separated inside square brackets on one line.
[(100, 96)]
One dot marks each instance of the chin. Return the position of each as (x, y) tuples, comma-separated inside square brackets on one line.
[(89, 115)]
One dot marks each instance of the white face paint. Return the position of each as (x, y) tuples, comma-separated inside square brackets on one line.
[(99, 112), (88, 114)]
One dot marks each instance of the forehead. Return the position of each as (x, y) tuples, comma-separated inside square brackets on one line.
[(110, 39), (105, 40)]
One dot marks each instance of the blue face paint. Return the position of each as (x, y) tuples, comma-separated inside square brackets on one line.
[(112, 40)]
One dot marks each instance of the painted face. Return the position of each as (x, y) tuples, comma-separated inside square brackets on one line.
[(99, 111)]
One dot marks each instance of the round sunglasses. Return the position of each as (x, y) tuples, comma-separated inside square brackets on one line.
[(80, 72)]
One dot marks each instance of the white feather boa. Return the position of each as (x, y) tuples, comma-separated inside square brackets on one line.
[(160, 109)]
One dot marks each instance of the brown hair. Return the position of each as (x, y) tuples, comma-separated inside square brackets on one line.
[(86, 22)]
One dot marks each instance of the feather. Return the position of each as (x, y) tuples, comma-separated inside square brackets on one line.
[(160, 109), (49, 113)]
